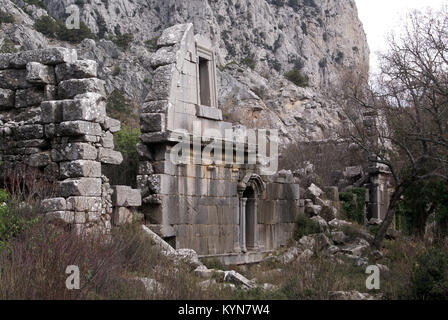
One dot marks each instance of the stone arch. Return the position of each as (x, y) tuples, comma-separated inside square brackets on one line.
[(250, 188)]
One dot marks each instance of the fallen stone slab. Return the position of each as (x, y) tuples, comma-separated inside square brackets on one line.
[(238, 279)]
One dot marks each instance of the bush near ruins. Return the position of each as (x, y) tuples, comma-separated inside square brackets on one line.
[(56, 29), (305, 226), (6, 17), (123, 40), (353, 204), (429, 279), (296, 77)]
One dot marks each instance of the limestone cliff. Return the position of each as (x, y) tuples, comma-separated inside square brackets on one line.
[(257, 42)]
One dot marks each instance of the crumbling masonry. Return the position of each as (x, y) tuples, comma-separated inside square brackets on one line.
[(53, 118)]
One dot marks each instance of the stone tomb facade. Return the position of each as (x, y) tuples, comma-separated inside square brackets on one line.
[(228, 211)]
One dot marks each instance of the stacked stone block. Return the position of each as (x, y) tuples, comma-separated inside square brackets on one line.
[(53, 117)]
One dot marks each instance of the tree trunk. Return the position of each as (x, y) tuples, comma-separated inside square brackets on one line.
[(382, 231)]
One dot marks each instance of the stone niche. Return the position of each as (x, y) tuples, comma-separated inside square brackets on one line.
[(53, 119), (228, 211)]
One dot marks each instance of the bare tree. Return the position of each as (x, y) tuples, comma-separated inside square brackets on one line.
[(409, 98)]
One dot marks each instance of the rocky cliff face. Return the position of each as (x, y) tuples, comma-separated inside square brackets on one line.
[(256, 41)]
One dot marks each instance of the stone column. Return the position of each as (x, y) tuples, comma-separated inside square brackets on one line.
[(243, 202), (256, 244)]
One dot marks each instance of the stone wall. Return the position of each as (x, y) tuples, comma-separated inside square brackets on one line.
[(53, 118), (214, 208)]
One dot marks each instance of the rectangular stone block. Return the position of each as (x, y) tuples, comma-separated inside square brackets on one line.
[(6, 99), (152, 122), (70, 88), (209, 112), (78, 128), (64, 217), (5, 59), (14, 79), (75, 151), (154, 107), (90, 187), (80, 168), (54, 204), (161, 83), (29, 132), (29, 97), (125, 196), (51, 111), (38, 73), (84, 204), (79, 69), (82, 109), (113, 125), (109, 156), (50, 56), (107, 140)]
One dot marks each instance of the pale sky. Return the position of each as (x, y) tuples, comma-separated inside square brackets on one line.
[(380, 17)]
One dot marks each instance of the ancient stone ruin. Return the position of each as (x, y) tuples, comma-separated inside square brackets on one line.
[(53, 117)]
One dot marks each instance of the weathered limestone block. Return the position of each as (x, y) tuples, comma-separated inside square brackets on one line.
[(38, 73), (6, 99), (75, 151), (173, 35), (152, 122), (84, 204), (29, 97), (39, 160), (112, 125), (78, 128), (162, 57), (145, 168), (107, 141), (50, 56), (82, 109), (51, 111), (122, 216), (5, 59), (90, 187), (80, 168), (160, 106), (313, 192), (37, 143), (80, 218), (125, 196), (79, 69), (54, 204), (70, 88), (50, 92), (109, 156), (14, 79), (64, 217), (29, 132), (161, 84)]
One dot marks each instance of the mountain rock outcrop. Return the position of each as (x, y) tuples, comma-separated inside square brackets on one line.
[(257, 42)]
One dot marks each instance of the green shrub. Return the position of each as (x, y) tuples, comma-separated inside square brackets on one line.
[(56, 29), (125, 141), (8, 47), (6, 17), (249, 62), (123, 40), (37, 3), (12, 223), (296, 77), (353, 203), (151, 44), (305, 226), (429, 280)]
